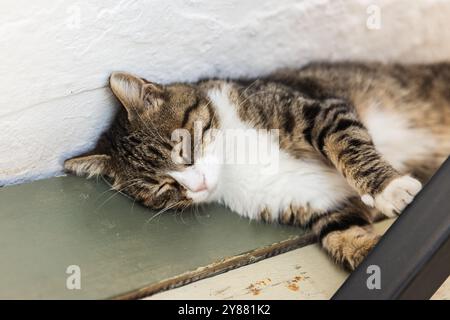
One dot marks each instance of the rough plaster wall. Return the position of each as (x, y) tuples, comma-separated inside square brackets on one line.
[(56, 56)]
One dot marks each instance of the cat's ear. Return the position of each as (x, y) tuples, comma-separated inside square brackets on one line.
[(138, 96), (92, 165)]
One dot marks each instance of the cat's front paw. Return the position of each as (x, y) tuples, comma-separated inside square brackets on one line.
[(395, 197)]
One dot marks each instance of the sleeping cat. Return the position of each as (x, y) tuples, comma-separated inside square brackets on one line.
[(354, 142)]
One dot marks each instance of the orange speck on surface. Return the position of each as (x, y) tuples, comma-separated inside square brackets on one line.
[(293, 287), (255, 288), (293, 284)]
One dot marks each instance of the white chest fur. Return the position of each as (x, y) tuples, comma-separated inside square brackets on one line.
[(248, 187)]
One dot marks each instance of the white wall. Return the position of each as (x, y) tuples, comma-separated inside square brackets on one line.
[(56, 56)]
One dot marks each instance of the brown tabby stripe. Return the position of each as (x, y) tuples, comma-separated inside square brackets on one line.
[(188, 112), (154, 151), (288, 121), (210, 118), (345, 221), (313, 220), (150, 180), (310, 113)]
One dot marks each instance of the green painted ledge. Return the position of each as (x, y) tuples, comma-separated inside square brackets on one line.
[(48, 225)]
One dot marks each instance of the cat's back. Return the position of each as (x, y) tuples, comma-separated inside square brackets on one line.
[(354, 80)]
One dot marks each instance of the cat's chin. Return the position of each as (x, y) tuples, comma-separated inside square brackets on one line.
[(199, 196)]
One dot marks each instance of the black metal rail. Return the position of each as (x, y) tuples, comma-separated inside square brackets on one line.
[(413, 258)]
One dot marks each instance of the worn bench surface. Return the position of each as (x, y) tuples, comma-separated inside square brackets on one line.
[(121, 250)]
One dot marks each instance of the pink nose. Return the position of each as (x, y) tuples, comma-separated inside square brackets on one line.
[(200, 187), (192, 179)]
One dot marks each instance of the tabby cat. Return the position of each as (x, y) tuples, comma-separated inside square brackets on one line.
[(355, 142)]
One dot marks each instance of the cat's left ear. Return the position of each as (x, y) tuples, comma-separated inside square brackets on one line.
[(137, 95), (89, 165)]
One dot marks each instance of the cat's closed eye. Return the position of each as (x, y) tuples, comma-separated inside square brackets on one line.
[(167, 186), (181, 154), (162, 189)]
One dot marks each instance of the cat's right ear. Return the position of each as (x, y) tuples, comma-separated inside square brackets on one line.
[(89, 165), (136, 95)]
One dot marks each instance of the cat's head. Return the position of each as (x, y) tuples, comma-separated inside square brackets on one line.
[(145, 152)]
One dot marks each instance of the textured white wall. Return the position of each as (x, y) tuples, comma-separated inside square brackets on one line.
[(56, 56)]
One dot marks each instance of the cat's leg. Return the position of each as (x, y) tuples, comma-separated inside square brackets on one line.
[(349, 247), (333, 128), (345, 234)]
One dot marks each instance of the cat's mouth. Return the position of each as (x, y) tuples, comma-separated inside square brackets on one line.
[(198, 186), (199, 196), (203, 191)]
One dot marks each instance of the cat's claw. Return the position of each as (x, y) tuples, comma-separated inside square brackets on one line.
[(395, 197)]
